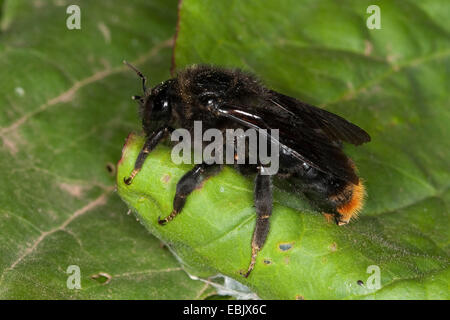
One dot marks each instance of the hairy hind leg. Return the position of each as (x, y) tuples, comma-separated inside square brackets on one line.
[(263, 204)]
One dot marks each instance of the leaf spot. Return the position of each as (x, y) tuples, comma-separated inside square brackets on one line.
[(19, 91), (333, 247), (102, 278), (111, 168), (285, 246), (166, 178)]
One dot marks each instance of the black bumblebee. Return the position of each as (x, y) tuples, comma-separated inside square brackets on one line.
[(310, 140)]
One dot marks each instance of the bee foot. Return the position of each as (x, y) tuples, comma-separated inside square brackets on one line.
[(170, 217), (161, 221)]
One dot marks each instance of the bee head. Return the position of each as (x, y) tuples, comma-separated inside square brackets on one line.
[(156, 108), (155, 104)]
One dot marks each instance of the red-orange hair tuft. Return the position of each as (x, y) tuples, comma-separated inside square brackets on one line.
[(351, 209)]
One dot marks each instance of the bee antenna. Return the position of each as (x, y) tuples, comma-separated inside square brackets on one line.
[(144, 79)]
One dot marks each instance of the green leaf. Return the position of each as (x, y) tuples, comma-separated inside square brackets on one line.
[(392, 82), (65, 112)]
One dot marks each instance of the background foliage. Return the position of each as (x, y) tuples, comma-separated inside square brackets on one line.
[(65, 112)]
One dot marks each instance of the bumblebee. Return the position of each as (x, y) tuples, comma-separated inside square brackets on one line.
[(310, 140)]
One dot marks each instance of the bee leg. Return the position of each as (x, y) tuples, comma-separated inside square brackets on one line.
[(149, 145), (188, 183), (263, 204)]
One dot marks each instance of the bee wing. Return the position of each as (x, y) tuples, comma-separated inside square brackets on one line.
[(333, 126), (306, 133)]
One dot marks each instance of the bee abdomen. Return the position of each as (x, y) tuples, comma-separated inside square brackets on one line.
[(349, 202)]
